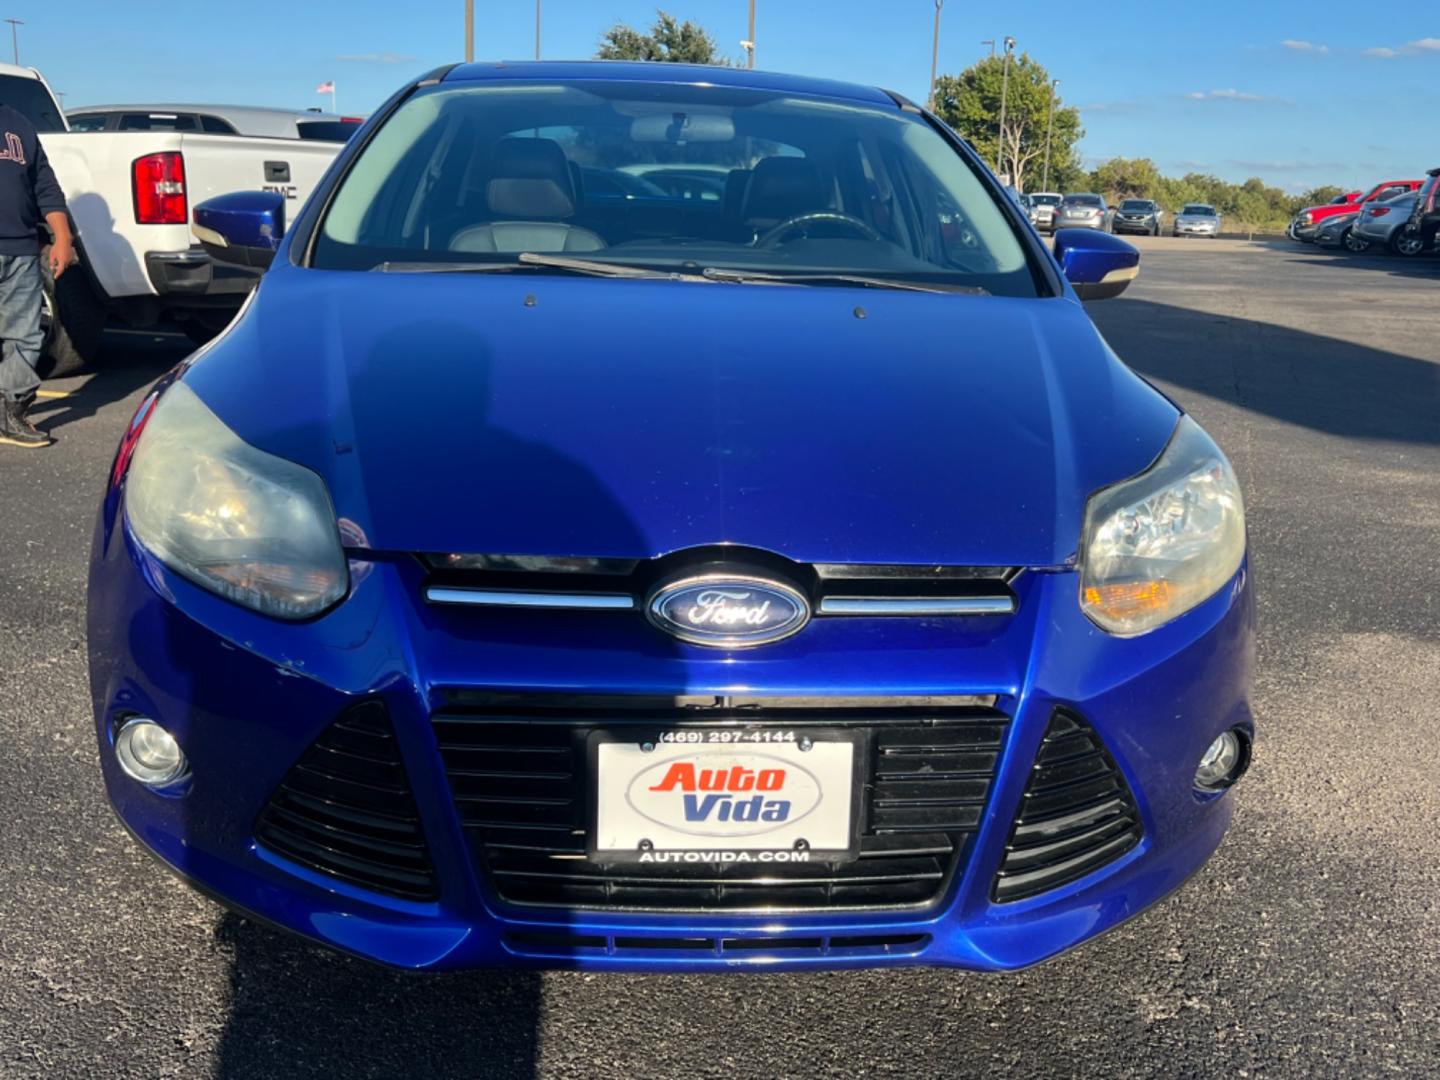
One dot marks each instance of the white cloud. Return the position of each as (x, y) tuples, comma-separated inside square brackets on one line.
[(1225, 95), (376, 58), (1109, 106), (1410, 48), (1295, 45)]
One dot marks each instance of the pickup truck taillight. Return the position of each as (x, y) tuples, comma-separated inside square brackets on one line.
[(159, 182)]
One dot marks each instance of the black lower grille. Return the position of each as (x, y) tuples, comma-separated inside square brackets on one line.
[(1077, 814), (521, 786), (562, 945), (345, 809)]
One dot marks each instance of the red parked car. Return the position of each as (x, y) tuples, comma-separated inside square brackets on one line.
[(1309, 220)]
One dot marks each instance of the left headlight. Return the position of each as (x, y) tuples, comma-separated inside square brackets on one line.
[(1160, 543), (255, 528)]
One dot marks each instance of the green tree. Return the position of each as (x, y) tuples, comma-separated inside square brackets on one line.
[(970, 103), (668, 40), (1318, 196), (1126, 178)]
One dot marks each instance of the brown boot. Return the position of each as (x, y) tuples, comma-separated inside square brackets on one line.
[(16, 430)]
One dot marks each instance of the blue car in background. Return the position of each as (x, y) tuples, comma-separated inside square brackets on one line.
[(560, 564)]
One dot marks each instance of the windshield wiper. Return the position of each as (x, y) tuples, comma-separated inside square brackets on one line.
[(721, 273), (531, 260)]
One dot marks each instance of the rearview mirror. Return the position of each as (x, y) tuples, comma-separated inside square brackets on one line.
[(242, 228), (1098, 265)]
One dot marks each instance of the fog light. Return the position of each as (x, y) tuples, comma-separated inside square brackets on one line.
[(148, 753), (1223, 761)]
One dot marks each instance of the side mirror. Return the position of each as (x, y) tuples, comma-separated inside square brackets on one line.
[(242, 228), (1098, 265)]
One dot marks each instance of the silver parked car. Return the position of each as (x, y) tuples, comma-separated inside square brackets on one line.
[(1042, 209), (1082, 210), (1381, 223), (1339, 232), (1197, 219), (217, 120)]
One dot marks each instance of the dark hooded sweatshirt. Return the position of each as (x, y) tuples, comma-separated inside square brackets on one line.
[(28, 188)]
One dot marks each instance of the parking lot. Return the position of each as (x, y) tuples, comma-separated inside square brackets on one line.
[(1309, 946)]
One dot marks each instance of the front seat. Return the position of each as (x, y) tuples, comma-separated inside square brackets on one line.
[(529, 190), (779, 189)]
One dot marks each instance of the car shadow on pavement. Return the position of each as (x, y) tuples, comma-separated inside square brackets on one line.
[(1425, 266), (299, 1010), (1323, 383), (146, 358)]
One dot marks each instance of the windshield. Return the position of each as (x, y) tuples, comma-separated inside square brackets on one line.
[(671, 178), (1136, 206), (1194, 210), (31, 100)]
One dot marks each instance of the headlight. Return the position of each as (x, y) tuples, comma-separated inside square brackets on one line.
[(1306, 218), (255, 528), (1158, 544)]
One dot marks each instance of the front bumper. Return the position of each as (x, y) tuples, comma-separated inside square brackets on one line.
[(246, 696), (1144, 225), (1183, 228), (1306, 234)]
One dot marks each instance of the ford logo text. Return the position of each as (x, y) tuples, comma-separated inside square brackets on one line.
[(728, 612)]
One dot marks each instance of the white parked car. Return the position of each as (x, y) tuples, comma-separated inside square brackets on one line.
[(130, 194)]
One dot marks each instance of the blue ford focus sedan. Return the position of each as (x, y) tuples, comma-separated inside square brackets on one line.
[(655, 517)]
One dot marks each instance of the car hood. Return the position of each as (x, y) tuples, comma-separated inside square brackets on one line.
[(581, 416)]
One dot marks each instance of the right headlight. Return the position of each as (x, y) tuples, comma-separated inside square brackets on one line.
[(253, 527), (1160, 543)]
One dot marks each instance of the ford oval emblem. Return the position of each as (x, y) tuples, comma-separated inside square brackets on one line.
[(728, 611)]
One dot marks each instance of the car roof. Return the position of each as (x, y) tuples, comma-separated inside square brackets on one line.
[(677, 74), (251, 119)]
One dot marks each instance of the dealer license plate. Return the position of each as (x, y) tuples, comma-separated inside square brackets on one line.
[(700, 795)]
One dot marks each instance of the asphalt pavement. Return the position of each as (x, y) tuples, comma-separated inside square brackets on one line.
[(1309, 946)]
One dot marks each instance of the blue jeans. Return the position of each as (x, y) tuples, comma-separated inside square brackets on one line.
[(21, 339)]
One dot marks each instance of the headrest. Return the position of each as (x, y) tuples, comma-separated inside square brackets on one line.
[(530, 179), (780, 188)]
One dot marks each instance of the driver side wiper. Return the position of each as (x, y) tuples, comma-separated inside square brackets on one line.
[(721, 273)]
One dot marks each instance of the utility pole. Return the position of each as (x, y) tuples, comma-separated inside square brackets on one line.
[(537, 29), (750, 39), (15, 25), (1004, 93), (1049, 131), (935, 54), (469, 31)]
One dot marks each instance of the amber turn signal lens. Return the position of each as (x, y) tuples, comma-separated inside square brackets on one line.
[(1122, 602)]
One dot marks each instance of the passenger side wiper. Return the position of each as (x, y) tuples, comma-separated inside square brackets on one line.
[(721, 273), (529, 259)]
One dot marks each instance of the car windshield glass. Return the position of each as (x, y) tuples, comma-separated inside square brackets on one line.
[(1136, 205), (673, 178), (1199, 211), (327, 130), (31, 100)]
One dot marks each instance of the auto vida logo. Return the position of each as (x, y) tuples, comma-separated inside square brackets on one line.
[(728, 612), (751, 795)]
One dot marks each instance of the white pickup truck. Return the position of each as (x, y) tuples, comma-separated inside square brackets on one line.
[(130, 195)]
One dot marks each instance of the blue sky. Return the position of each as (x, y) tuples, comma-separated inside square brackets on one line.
[(1282, 90)]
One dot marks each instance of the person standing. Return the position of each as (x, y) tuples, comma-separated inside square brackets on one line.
[(28, 193)]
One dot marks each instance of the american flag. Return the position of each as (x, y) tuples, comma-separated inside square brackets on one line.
[(326, 88)]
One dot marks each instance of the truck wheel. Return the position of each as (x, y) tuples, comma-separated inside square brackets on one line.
[(75, 321)]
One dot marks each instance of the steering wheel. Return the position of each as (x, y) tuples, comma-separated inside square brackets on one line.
[(800, 222)]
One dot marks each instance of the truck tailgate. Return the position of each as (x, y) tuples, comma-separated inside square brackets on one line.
[(95, 169)]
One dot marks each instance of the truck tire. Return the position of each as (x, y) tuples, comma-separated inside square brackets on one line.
[(75, 323)]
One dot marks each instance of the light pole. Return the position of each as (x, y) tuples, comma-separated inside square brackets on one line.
[(469, 31), (15, 25), (749, 41), (935, 54), (537, 29), (1049, 131), (1004, 93), (991, 43)]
